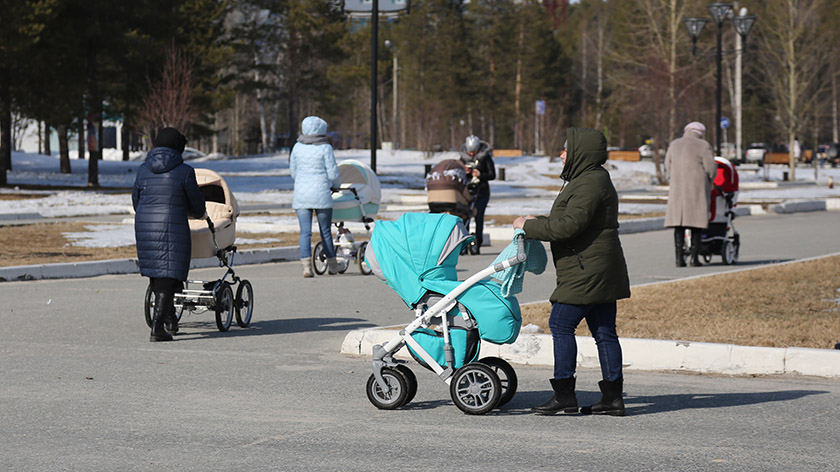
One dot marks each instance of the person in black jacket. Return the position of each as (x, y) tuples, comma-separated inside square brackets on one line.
[(477, 155), (165, 194)]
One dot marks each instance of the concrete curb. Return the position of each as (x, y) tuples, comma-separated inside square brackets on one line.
[(641, 354), (129, 266)]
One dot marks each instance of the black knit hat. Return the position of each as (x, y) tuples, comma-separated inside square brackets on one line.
[(171, 138)]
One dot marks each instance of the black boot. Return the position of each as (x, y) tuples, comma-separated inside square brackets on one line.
[(695, 248), (563, 400), (679, 241), (171, 325), (611, 402), (163, 300)]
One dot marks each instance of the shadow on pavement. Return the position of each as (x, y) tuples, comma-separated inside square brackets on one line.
[(645, 405), (208, 330)]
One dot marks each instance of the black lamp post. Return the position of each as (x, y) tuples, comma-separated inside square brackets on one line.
[(720, 12)]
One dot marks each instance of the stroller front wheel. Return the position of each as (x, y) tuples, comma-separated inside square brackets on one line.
[(729, 252), (475, 389), (319, 259), (507, 377), (396, 394), (411, 381), (224, 307), (244, 303)]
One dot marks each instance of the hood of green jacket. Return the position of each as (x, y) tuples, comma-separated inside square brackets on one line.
[(586, 149)]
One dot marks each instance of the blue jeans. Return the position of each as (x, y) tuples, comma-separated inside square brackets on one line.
[(601, 321), (324, 216)]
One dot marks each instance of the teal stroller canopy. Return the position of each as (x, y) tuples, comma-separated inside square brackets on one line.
[(418, 254), (416, 251)]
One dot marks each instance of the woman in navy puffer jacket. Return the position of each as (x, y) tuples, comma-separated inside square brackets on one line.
[(165, 194)]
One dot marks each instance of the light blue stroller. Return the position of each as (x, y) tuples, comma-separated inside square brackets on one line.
[(417, 257)]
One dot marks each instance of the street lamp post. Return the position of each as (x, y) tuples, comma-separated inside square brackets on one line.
[(743, 23), (720, 11), (395, 105)]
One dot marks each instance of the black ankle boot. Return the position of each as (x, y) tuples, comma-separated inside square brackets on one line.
[(611, 402), (695, 248), (679, 241), (162, 302), (563, 400)]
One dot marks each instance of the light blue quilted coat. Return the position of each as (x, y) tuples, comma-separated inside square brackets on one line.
[(313, 168)]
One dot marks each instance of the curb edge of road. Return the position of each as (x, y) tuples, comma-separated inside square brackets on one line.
[(290, 253), (641, 354)]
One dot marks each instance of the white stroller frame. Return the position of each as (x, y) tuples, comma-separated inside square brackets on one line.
[(346, 249), (214, 295), (475, 387)]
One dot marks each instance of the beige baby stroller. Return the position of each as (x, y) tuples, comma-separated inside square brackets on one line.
[(447, 190), (214, 237)]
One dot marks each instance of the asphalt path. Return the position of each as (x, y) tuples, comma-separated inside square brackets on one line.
[(83, 389)]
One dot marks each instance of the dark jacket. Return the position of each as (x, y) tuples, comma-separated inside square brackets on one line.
[(483, 161), (165, 194), (583, 227)]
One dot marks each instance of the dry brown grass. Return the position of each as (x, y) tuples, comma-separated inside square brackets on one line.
[(790, 305), (44, 243)]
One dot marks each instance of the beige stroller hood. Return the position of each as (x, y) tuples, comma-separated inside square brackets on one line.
[(223, 211)]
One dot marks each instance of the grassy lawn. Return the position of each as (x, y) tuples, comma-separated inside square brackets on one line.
[(789, 305)]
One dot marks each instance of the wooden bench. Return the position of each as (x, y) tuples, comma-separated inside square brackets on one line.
[(625, 156), (507, 153)]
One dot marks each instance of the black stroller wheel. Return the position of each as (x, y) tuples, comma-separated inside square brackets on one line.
[(319, 259), (149, 305), (507, 377), (475, 389), (364, 268), (244, 303), (396, 394), (411, 380), (224, 307)]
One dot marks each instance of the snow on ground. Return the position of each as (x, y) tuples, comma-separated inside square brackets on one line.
[(530, 187)]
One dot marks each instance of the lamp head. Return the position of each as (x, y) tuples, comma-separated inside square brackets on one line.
[(694, 26), (743, 24), (720, 11)]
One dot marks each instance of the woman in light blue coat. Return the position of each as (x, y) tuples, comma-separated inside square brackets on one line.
[(313, 168)]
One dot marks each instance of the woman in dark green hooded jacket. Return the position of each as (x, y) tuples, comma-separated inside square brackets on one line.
[(582, 229)]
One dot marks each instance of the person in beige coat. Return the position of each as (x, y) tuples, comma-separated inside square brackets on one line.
[(690, 164)]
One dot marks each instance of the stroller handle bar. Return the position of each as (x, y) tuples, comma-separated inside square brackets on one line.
[(520, 257)]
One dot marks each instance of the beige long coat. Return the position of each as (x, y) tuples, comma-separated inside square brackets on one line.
[(691, 166)]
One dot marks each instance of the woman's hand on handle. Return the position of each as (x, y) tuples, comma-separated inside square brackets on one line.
[(519, 223)]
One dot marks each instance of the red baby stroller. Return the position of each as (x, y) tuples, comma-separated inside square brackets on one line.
[(720, 237)]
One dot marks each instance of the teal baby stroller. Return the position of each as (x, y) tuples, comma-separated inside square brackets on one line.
[(417, 257)]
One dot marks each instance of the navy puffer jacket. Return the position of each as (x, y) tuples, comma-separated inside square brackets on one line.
[(165, 194)]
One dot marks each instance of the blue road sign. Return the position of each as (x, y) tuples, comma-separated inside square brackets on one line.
[(541, 107), (724, 122)]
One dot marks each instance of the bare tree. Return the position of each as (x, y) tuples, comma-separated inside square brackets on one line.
[(169, 101), (651, 61), (791, 59)]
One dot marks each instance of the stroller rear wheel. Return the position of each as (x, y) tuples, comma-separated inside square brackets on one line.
[(396, 394), (475, 389), (224, 307), (507, 377), (149, 307), (244, 303), (364, 268)]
